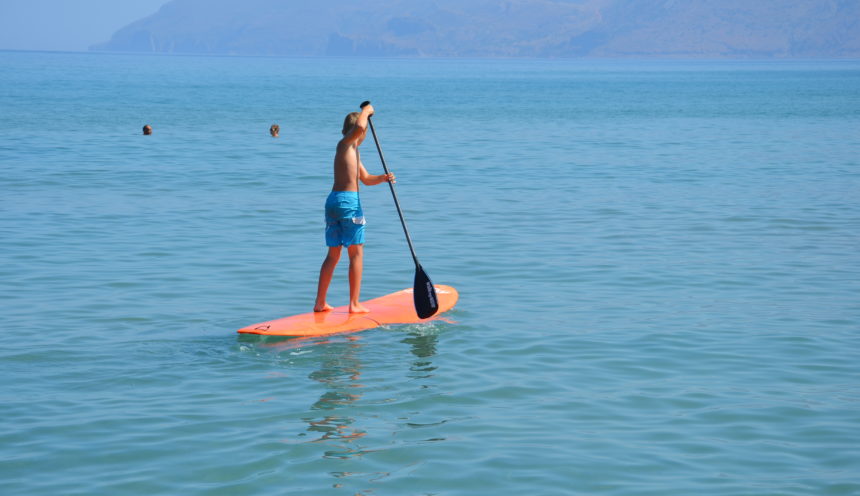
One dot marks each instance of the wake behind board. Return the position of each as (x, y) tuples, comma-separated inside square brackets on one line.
[(395, 308)]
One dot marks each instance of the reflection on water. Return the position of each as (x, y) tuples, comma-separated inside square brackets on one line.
[(339, 371), (424, 348), (359, 411), (338, 419)]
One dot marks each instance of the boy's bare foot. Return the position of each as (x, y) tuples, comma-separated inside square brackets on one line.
[(324, 308), (358, 308)]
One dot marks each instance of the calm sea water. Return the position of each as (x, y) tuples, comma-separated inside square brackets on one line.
[(658, 265)]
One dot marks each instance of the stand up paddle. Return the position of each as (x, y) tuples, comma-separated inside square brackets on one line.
[(423, 293)]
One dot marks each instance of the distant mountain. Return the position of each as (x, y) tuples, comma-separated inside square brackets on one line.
[(500, 28)]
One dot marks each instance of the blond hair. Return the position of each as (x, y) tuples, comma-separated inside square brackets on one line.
[(349, 122)]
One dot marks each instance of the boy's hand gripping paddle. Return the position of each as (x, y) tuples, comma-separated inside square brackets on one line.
[(424, 294)]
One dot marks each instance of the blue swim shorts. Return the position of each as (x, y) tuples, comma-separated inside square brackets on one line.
[(344, 219)]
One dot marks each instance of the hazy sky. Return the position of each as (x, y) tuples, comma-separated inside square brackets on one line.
[(71, 25)]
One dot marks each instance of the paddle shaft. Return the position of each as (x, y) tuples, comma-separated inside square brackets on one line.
[(393, 193), (424, 293)]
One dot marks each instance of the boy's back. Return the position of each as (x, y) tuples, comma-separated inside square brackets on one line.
[(346, 164)]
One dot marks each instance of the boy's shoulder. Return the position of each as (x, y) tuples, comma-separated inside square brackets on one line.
[(344, 145)]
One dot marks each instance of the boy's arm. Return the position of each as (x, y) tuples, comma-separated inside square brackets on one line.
[(372, 179), (360, 126)]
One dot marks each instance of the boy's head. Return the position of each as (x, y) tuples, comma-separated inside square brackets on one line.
[(274, 130), (147, 129), (349, 122)]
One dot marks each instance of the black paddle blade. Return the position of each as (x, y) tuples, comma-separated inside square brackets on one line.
[(424, 294)]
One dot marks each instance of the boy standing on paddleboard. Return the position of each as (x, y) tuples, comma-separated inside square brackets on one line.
[(343, 215)]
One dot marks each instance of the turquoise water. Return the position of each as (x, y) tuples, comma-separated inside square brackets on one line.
[(658, 265)]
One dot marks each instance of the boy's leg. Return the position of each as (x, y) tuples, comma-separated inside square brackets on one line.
[(326, 273), (356, 265)]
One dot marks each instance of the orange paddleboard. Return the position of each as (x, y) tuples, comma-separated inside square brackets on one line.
[(395, 308)]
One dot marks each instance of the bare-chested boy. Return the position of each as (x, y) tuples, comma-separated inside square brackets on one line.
[(343, 215)]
